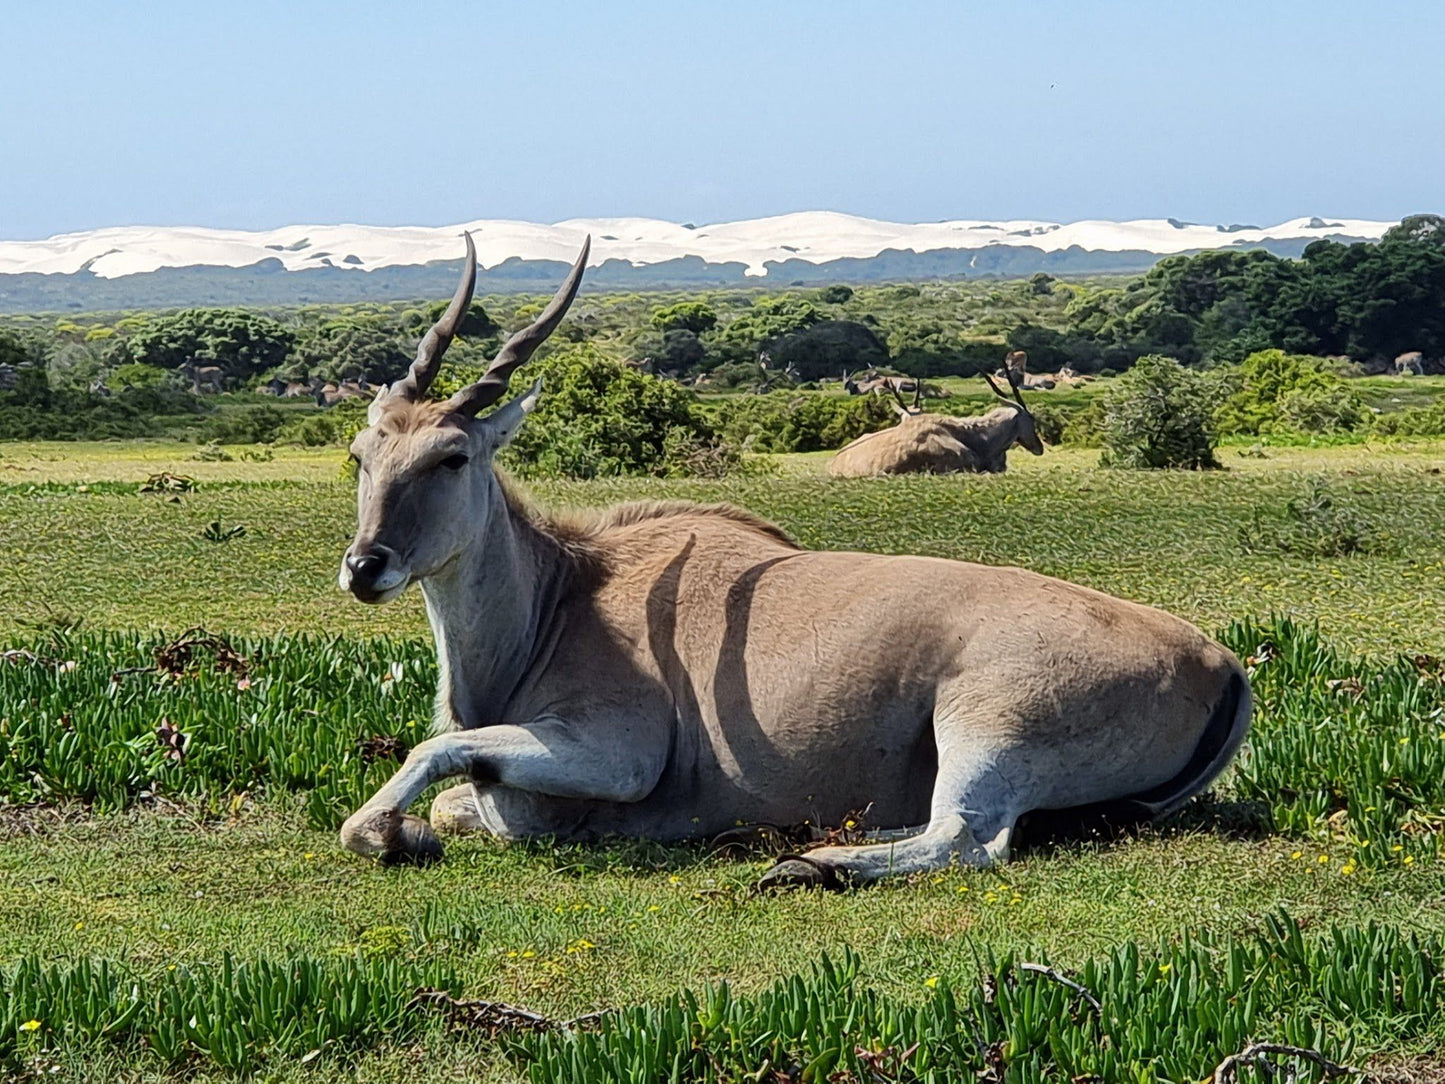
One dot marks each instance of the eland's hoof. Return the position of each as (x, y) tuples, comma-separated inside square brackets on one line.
[(796, 871), (746, 839), (394, 837), (413, 844)]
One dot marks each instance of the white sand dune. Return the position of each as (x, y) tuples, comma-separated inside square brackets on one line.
[(813, 236)]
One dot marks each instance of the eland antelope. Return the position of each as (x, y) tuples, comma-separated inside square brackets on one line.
[(667, 670), (940, 443), (203, 377)]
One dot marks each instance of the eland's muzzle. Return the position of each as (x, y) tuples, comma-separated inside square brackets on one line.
[(372, 575)]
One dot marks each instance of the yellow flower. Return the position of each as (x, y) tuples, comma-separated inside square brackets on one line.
[(1409, 858), (30, 1025), (1347, 869), (1164, 969), (1324, 858), (962, 889), (1297, 854), (931, 982), (80, 925), (527, 954), (674, 880)]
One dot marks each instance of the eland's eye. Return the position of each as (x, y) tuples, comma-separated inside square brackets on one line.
[(454, 462)]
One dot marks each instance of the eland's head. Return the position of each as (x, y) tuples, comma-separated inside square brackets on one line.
[(425, 486), (1026, 434)]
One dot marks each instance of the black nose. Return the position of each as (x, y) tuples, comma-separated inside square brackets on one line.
[(366, 566)]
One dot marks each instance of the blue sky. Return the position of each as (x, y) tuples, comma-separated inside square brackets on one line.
[(261, 114)]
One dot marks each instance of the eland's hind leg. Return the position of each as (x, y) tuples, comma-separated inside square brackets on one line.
[(455, 810), (972, 818)]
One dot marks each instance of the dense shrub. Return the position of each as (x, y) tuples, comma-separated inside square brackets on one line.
[(137, 375), (827, 349), (1160, 414), (1369, 301), (599, 418), (770, 318), (241, 343), (336, 426), (35, 411), (694, 316), (786, 421), (351, 348), (250, 425), (1289, 392), (1413, 422)]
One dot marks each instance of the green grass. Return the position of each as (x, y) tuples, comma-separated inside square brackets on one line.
[(1169, 1012), (134, 560), (150, 861)]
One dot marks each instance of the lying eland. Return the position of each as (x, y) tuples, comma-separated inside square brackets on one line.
[(940, 443), (669, 670)]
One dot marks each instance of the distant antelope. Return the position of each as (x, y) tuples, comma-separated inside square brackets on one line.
[(940, 443), (1411, 364), (668, 670), (873, 382), (203, 377), (331, 394), (1015, 371)]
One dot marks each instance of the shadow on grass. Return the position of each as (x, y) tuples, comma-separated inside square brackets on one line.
[(1048, 831), (1042, 832)]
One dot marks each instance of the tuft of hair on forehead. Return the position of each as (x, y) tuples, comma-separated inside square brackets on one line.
[(399, 416)]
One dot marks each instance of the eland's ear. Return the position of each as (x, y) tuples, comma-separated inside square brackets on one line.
[(374, 409), (501, 425)]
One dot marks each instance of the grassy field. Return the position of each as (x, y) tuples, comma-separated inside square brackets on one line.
[(1332, 819), (83, 542)]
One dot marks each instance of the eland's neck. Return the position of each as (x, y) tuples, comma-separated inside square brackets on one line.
[(999, 438), (491, 610)]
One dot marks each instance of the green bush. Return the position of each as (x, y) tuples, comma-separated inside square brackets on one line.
[(1322, 408), (694, 316), (250, 425), (241, 343), (1160, 414), (1413, 422), (137, 375), (35, 411), (827, 349), (599, 418), (336, 426), (786, 421), (769, 318), (1289, 392)]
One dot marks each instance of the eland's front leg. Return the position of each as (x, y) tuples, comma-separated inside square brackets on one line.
[(548, 757)]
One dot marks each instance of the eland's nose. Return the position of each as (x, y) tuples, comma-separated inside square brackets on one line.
[(366, 567)]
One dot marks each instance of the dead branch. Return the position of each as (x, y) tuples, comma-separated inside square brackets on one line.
[(1057, 976), (173, 659), (496, 1017), (1227, 1070), (18, 655)]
